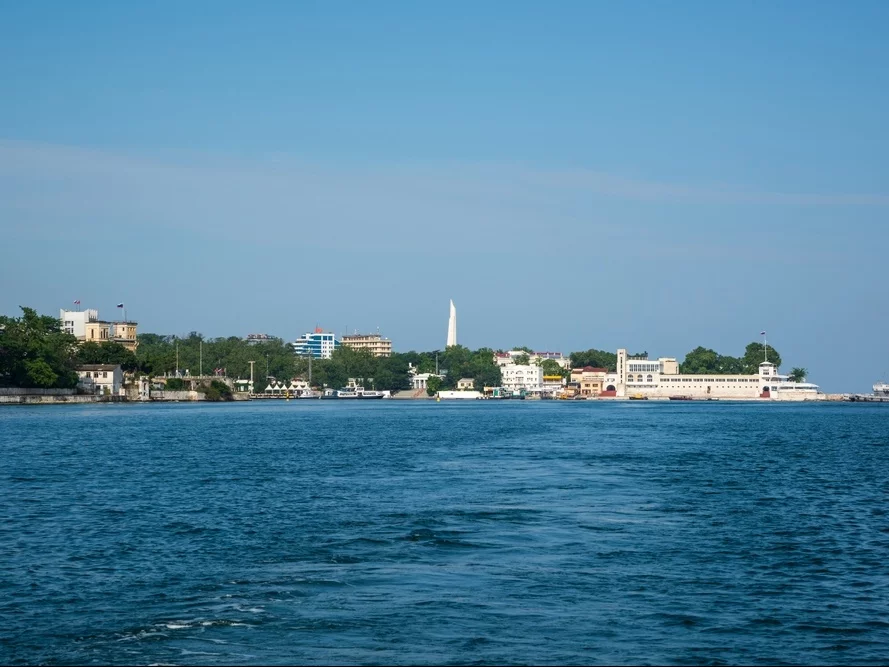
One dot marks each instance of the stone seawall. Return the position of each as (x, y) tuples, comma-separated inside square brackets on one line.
[(49, 399), (25, 391), (177, 396)]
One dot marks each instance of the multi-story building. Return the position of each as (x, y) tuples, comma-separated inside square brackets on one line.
[(552, 384), (378, 346), (640, 377), (589, 381), (100, 378), (86, 326), (320, 344), (255, 338), (535, 358), (515, 377)]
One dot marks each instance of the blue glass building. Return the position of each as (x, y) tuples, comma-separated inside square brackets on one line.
[(319, 344)]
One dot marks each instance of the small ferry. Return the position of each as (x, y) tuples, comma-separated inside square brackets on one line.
[(881, 389), (360, 392)]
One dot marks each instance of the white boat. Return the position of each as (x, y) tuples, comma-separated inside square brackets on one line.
[(360, 392), (881, 389)]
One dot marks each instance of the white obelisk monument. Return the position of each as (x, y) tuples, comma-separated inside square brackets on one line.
[(452, 326)]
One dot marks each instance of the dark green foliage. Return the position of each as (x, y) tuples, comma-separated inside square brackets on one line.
[(175, 384), (106, 353), (594, 358), (706, 361), (551, 367), (797, 374), (217, 391), (35, 352), (433, 385), (753, 357), (460, 362)]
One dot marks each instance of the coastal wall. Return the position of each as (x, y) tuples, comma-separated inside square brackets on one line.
[(177, 396), (48, 399), (27, 391)]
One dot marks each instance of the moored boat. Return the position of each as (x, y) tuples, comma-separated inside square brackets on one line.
[(359, 393)]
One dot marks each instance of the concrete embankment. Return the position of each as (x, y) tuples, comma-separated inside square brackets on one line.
[(20, 396)]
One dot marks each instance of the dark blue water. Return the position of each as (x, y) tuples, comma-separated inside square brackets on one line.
[(416, 532)]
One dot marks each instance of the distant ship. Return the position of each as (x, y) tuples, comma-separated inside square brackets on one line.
[(881, 389)]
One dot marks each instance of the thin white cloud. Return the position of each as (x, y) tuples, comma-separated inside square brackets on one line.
[(57, 191)]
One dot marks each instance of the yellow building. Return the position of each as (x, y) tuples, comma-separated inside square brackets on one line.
[(590, 381), (378, 346), (86, 327), (125, 334)]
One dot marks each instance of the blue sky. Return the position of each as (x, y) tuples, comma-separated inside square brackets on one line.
[(573, 175)]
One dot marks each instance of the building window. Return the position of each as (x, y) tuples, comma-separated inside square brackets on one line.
[(650, 379)]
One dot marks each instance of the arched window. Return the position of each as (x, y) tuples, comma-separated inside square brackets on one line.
[(650, 379), (639, 378)]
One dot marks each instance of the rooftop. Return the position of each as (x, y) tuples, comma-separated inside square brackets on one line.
[(98, 367)]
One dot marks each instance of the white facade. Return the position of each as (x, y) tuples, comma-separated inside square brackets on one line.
[(535, 358), (654, 379), (97, 378), (319, 344), (452, 326), (554, 384), (74, 321), (421, 380), (529, 378)]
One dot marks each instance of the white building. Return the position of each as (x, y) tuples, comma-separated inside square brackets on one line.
[(515, 377), (86, 326), (74, 321), (535, 358), (421, 380), (319, 344), (97, 378), (644, 378)]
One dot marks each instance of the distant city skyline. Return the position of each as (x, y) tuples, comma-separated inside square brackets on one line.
[(572, 175)]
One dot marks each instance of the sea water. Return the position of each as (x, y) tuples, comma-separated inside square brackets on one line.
[(468, 532)]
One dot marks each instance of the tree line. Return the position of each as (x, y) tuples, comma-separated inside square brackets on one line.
[(35, 352)]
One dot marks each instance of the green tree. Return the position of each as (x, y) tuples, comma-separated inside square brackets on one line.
[(40, 374), (551, 367), (433, 385), (217, 391), (522, 360), (522, 348), (700, 360), (754, 355), (595, 358), (107, 353), (487, 376), (797, 374), (35, 352)]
